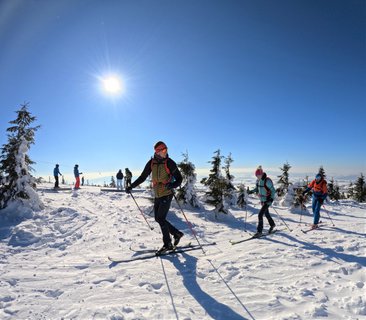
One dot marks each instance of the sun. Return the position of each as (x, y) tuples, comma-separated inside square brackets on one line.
[(112, 85)]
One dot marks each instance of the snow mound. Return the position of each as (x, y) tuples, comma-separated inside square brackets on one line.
[(57, 229)]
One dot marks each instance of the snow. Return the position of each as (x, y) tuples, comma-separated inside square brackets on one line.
[(55, 264)]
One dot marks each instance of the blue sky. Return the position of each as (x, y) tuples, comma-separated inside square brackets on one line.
[(268, 81)]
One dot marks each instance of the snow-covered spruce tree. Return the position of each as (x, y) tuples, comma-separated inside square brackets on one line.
[(350, 192), (330, 188), (322, 172), (18, 185), (337, 192), (359, 189), (242, 196), (230, 197), (113, 182), (333, 190), (187, 194), (216, 184), (300, 200), (283, 181)]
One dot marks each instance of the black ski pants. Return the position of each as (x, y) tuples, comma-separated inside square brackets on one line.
[(161, 209), (264, 211), (56, 182)]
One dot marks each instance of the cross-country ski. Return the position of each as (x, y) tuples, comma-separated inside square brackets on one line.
[(189, 245), (153, 254), (252, 237)]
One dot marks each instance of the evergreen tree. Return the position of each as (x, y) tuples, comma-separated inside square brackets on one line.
[(229, 192), (242, 196), (333, 190), (216, 184), (359, 191), (284, 182), (187, 194), (330, 187), (350, 192), (215, 171), (18, 185), (337, 192), (113, 182), (322, 172), (300, 200)]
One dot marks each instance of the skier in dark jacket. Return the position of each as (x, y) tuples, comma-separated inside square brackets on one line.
[(266, 193), (119, 177), (128, 177), (165, 177), (56, 173)]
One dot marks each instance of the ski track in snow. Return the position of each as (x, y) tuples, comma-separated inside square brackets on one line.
[(55, 265)]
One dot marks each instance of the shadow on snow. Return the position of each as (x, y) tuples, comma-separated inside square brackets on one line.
[(212, 307)]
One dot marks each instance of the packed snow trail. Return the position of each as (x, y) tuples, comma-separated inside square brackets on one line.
[(55, 264)]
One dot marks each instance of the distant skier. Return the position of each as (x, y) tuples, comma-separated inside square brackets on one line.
[(165, 177), (128, 177), (266, 192), (56, 173), (320, 193), (77, 176), (119, 177)]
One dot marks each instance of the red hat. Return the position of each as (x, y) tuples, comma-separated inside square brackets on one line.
[(159, 146), (259, 171)]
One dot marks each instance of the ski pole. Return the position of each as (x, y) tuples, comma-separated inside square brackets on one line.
[(300, 216), (189, 224), (282, 219), (151, 228), (246, 212), (246, 217), (301, 210), (328, 215)]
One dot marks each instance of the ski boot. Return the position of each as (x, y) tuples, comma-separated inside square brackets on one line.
[(177, 238), (271, 229), (164, 249)]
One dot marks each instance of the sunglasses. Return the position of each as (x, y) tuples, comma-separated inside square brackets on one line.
[(158, 150)]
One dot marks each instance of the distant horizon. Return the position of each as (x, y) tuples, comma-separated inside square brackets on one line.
[(241, 175)]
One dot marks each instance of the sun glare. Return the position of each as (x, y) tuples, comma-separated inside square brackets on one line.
[(112, 85)]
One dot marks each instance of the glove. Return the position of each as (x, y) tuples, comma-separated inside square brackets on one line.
[(304, 193), (128, 189), (169, 186)]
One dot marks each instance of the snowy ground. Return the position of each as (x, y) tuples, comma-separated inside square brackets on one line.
[(55, 266)]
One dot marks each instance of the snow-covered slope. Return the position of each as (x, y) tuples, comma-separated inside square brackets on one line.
[(55, 266)]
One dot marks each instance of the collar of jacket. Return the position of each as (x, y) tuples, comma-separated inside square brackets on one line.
[(264, 176), (160, 159)]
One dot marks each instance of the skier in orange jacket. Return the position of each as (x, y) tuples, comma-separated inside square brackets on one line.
[(320, 193)]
